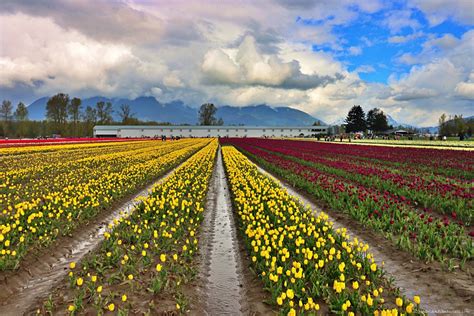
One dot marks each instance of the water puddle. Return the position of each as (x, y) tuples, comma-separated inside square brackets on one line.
[(20, 290), (221, 262), (442, 292)]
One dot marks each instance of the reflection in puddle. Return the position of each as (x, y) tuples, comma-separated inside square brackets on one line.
[(224, 279)]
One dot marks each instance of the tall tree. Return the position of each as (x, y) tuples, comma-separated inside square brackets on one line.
[(355, 121), (104, 112), (90, 115), (5, 115), (442, 127), (6, 110), (460, 126), (56, 111), (126, 114), (21, 116), (207, 114), (74, 111), (377, 120), (21, 112)]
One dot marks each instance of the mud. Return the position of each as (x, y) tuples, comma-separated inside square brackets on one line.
[(40, 273), (227, 285), (442, 292)]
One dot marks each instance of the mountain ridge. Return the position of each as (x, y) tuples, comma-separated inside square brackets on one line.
[(148, 108)]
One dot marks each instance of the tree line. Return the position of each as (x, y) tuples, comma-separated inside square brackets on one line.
[(65, 116), (455, 126), (375, 121)]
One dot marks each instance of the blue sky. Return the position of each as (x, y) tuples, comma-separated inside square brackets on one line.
[(411, 58), (371, 36)]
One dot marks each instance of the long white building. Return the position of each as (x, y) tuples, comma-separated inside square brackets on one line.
[(132, 131)]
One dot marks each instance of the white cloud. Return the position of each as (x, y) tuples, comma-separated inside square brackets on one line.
[(248, 66), (53, 59), (465, 90), (156, 92), (218, 67), (438, 11), (256, 52), (365, 69), (400, 39), (355, 50), (396, 21), (172, 80)]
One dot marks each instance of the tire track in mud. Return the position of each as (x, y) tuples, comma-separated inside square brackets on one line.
[(21, 289), (442, 292), (227, 285)]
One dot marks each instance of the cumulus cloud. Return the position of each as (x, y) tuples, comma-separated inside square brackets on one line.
[(409, 94), (172, 80), (248, 66), (74, 63), (396, 21), (400, 39), (438, 11), (265, 52), (465, 90), (102, 20)]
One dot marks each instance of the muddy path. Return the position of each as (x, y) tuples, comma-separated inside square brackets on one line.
[(41, 272), (227, 286), (442, 292)]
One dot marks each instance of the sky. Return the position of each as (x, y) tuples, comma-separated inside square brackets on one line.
[(413, 59)]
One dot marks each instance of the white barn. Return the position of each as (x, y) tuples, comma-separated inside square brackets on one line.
[(131, 131)]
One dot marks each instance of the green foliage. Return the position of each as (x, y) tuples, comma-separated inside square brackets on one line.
[(56, 111), (355, 121), (377, 121), (207, 114), (455, 126)]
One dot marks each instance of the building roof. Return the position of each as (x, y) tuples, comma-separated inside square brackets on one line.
[(115, 127)]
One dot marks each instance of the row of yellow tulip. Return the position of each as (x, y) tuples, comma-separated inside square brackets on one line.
[(33, 158), (37, 207), (308, 266), (145, 257)]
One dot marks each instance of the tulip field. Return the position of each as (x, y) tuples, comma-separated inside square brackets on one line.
[(422, 199), (147, 209), (49, 190), (148, 252), (303, 261)]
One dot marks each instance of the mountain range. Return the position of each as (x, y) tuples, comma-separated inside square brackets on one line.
[(176, 112)]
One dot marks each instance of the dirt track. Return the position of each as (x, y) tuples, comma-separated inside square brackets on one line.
[(227, 286)]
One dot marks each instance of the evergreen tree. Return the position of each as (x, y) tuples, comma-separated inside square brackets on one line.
[(21, 116), (377, 121), (355, 121), (21, 112)]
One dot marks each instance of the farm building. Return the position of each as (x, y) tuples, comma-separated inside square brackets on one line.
[(124, 131)]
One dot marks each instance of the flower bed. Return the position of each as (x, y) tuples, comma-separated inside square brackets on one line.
[(306, 265)]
